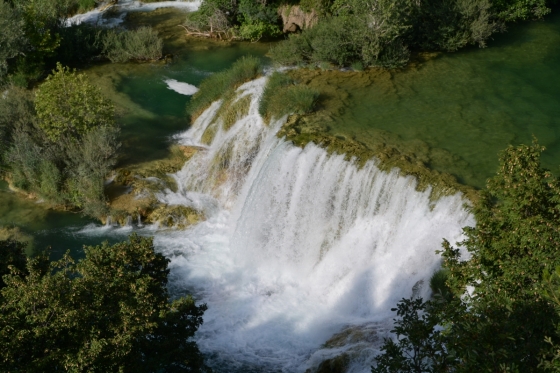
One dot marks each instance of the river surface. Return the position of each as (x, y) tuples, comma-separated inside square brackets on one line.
[(300, 246)]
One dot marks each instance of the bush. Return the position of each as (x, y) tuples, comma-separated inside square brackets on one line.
[(68, 104), (64, 155), (219, 84), (16, 111), (515, 10), (12, 36), (383, 32), (255, 30), (451, 25), (346, 39), (24, 157), (275, 82), (281, 97), (142, 44), (88, 162), (295, 50)]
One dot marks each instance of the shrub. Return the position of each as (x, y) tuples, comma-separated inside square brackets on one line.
[(282, 97), (275, 82), (216, 85), (65, 155), (293, 51), (16, 111), (68, 104), (255, 30), (88, 162), (12, 36), (142, 44), (450, 25), (515, 10)]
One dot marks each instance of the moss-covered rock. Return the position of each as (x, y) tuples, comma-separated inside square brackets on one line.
[(301, 131), (132, 193), (410, 157), (176, 216)]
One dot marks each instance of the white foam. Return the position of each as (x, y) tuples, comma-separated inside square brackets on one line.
[(181, 87), (298, 244), (96, 16)]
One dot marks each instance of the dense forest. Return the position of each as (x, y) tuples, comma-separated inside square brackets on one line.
[(362, 33)]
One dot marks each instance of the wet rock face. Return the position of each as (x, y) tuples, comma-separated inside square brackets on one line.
[(295, 19)]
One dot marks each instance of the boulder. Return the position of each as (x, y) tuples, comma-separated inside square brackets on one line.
[(295, 19)]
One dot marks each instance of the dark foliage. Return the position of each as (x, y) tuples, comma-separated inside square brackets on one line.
[(506, 321), (109, 312)]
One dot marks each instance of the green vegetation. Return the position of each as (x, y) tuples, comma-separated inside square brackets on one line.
[(382, 33), (362, 33), (243, 19), (507, 321), (68, 105), (61, 145), (281, 97), (224, 83), (109, 312), (142, 44), (35, 38)]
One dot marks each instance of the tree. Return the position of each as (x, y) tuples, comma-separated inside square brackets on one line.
[(109, 312), (419, 347), (11, 254), (68, 105), (499, 319), (516, 10), (12, 36)]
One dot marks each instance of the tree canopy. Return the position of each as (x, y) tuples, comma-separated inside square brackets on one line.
[(68, 104), (109, 312), (495, 307)]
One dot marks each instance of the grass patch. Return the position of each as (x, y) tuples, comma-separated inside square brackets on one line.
[(224, 83), (234, 111), (281, 97), (142, 44), (209, 133)]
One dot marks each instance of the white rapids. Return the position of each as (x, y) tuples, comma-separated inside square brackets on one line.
[(98, 16), (299, 245)]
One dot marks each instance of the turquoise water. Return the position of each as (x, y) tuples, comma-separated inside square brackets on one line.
[(462, 108), (459, 109), (150, 114)]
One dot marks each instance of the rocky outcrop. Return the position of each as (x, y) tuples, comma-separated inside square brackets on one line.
[(295, 19)]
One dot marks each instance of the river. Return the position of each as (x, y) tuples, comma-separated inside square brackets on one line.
[(303, 253)]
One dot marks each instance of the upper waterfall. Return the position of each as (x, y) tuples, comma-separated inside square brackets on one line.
[(298, 245)]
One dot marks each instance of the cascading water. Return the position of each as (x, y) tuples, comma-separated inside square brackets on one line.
[(298, 246)]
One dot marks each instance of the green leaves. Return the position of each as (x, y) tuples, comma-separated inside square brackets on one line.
[(107, 312), (504, 307), (67, 104)]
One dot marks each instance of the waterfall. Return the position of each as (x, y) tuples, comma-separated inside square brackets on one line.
[(299, 245)]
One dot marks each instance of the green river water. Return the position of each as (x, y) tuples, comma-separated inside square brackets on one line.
[(455, 110)]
